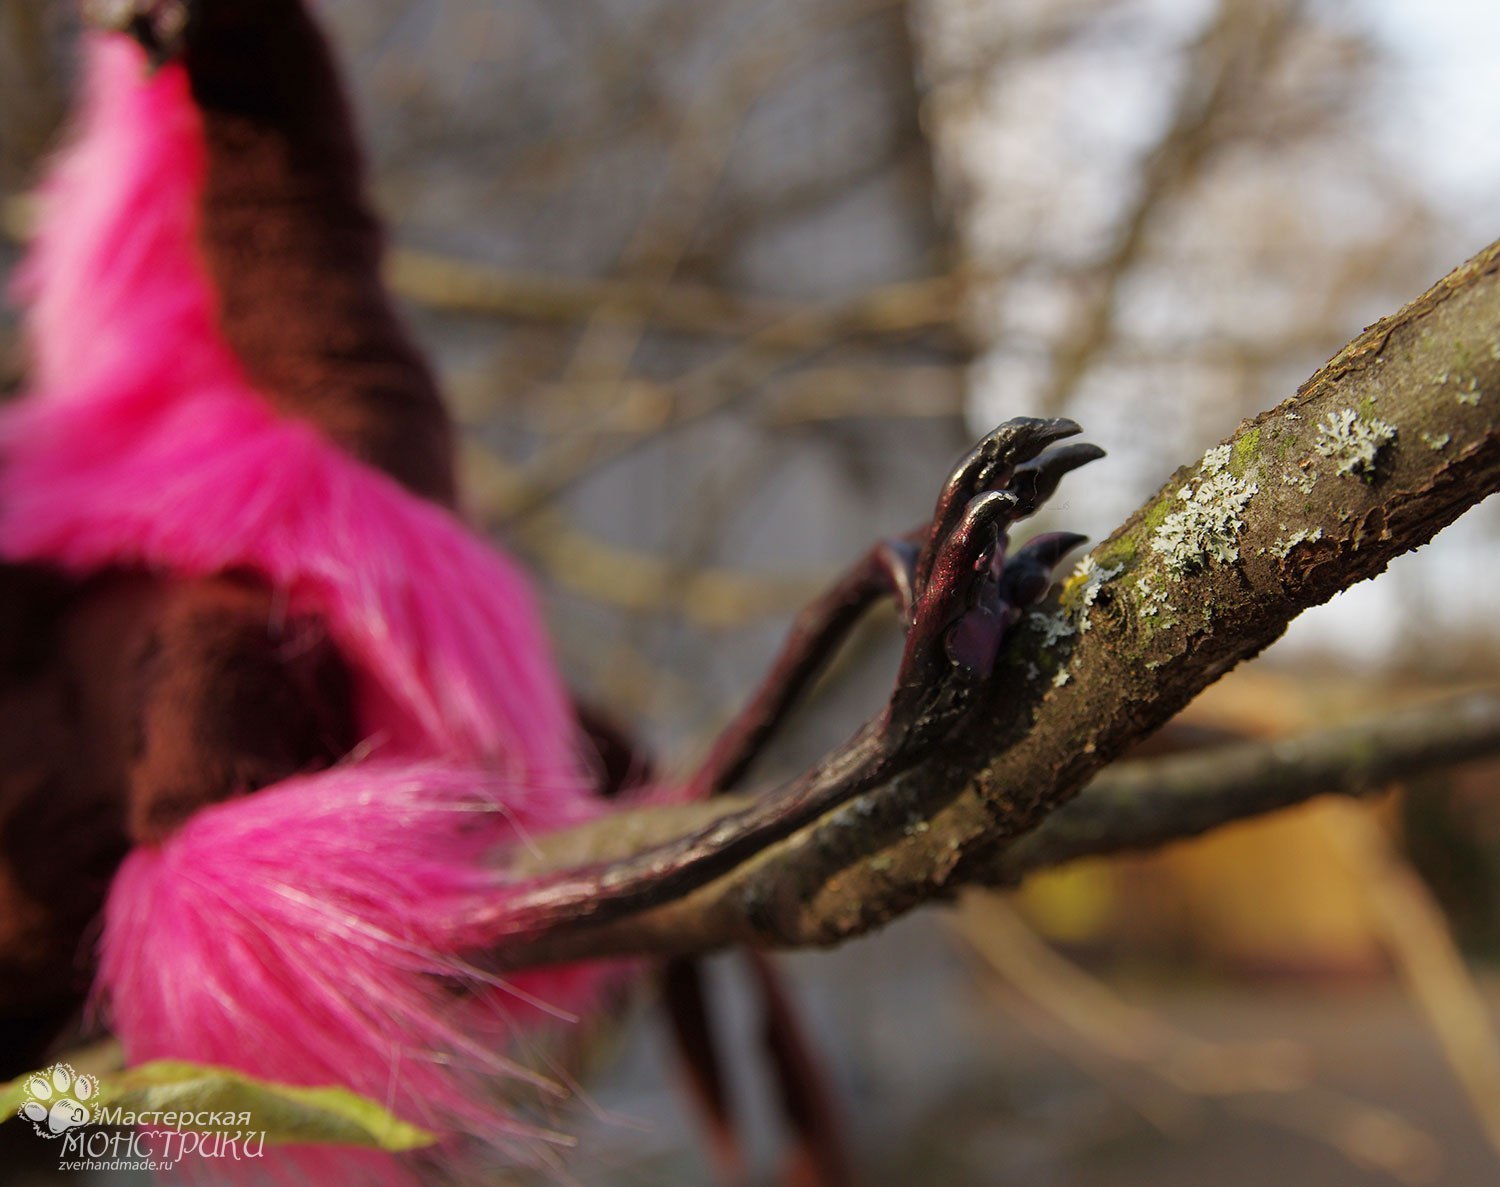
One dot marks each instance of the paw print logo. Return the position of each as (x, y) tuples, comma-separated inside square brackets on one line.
[(55, 1100)]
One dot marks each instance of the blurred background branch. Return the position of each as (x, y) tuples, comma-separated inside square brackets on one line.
[(1150, 802)]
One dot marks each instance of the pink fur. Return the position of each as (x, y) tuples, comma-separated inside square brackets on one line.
[(142, 443), (298, 933), (442, 629), (303, 933), (111, 278)]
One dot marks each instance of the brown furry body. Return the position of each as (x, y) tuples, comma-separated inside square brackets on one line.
[(131, 700)]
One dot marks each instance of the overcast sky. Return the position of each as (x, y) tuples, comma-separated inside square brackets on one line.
[(1442, 106)]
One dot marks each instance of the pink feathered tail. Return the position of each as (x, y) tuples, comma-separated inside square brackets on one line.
[(305, 932), (302, 934)]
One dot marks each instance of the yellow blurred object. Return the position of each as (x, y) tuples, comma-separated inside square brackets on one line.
[(1270, 896), (1072, 905)]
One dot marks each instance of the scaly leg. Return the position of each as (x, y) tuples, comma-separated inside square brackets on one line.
[(899, 568), (965, 594)]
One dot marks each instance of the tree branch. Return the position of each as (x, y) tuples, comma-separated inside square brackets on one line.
[(1146, 804), (1388, 443), (1137, 805)]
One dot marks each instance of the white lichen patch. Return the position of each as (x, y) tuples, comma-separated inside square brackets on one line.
[(1207, 526), (1354, 442), (1082, 589), (1283, 546), (1469, 391), (1154, 602), (1080, 592), (1303, 480), (1053, 626), (1436, 441)]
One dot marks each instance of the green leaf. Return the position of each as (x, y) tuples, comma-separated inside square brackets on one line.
[(287, 1113)]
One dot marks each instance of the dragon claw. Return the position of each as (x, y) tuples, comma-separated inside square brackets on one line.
[(1028, 572), (966, 590), (990, 466)]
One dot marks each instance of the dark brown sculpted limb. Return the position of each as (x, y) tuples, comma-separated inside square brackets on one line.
[(965, 592)]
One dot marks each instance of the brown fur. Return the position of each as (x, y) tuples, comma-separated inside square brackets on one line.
[(293, 249), (224, 697), (128, 703)]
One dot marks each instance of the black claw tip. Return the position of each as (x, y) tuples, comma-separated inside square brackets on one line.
[(1035, 481), (1023, 437), (990, 462), (1028, 573), (1079, 453)]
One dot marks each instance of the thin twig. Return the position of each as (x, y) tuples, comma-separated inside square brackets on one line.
[(1220, 65), (1142, 805), (463, 286)]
